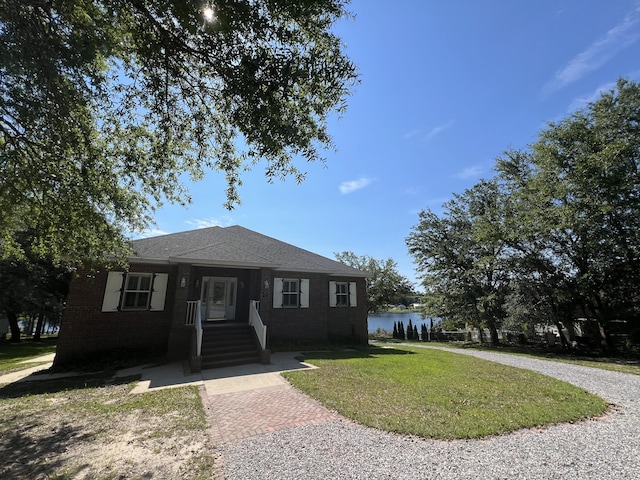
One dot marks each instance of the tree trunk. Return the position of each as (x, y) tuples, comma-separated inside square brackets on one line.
[(603, 315), (39, 325), (493, 332), (13, 325), (28, 329), (605, 339), (563, 340)]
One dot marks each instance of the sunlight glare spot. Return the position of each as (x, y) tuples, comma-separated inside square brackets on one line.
[(208, 14)]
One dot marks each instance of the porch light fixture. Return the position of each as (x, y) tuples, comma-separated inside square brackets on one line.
[(266, 284), (183, 282)]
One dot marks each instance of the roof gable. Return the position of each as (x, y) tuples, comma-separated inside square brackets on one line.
[(235, 246)]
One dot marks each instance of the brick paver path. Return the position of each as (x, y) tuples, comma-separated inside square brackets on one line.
[(238, 415)]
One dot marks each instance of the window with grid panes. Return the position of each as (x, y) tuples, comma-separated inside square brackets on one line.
[(137, 291), (342, 294), (290, 293)]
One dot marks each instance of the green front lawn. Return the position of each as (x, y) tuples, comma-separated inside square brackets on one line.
[(437, 394), (13, 354)]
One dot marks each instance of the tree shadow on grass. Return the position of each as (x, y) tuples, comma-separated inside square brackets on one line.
[(28, 456), (38, 387), (371, 351), (34, 445)]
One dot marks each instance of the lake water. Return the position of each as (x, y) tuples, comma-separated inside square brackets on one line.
[(385, 320)]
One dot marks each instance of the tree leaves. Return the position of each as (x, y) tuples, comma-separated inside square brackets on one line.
[(554, 236), (104, 105), (385, 286), (462, 257)]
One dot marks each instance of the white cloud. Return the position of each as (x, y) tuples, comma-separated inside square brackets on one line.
[(581, 102), (150, 232), (439, 129), (411, 191), (411, 134), (470, 172), (428, 135), (353, 185), (598, 53), (224, 221)]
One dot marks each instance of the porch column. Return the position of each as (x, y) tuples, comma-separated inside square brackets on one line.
[(265, 287), (179, 344)]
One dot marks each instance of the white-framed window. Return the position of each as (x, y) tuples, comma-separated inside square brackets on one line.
[(290, 293), (343, 294), (135, 291)]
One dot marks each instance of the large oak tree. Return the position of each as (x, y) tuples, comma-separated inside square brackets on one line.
[(105, 105), (577, 197), (553, 237), (462, 258)]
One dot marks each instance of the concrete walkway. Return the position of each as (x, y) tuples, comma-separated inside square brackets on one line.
[(217, 381), (240, 402), (245, 400), (27, 372)]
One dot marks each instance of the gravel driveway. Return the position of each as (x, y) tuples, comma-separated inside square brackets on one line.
[(607, 448)]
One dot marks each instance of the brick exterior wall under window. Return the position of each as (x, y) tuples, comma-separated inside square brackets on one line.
[(86, 331), (319, 322)]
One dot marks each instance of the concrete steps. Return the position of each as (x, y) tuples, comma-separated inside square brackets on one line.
[(228, 344)]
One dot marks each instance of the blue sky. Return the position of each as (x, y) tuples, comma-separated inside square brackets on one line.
[(446, 87)]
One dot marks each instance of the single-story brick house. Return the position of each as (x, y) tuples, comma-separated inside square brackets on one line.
[(179, 285)]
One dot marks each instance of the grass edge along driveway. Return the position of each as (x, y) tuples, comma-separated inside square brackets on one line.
[(437, 394)]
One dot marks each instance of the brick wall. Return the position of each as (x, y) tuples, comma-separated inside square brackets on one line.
[(86, 331), (319, 322), (349, 322)]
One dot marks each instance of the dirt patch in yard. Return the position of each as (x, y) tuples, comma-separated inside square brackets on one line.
[(92, 427)]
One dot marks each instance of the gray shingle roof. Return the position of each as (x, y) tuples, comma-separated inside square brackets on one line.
[(237, 247)]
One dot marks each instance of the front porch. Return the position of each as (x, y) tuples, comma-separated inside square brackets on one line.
[(215, 319), (221, 343)]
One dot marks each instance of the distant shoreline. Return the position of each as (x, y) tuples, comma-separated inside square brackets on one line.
[(395, 312)]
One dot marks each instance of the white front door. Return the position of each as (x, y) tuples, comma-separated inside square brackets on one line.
[(218, 298)]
